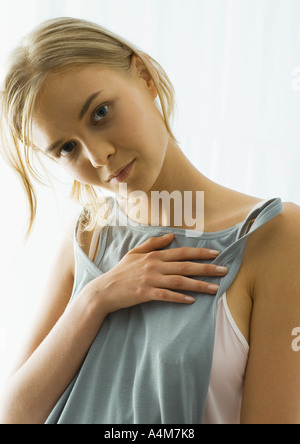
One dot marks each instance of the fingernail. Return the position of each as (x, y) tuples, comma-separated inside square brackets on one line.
[(214, 252), (221, 270), (213, 287), (190, 299)]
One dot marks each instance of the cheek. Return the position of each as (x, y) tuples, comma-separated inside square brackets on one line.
[(82, 172), (130, 128), (137, 121)]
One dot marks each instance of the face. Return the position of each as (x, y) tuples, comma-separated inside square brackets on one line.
[(94, 121)]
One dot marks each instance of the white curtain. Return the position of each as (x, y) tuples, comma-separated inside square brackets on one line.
[(235, 65)]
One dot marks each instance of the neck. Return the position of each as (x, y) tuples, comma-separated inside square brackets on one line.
[(182, 197), (176, 199)]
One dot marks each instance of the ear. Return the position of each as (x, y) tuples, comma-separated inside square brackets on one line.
[(143, 72)]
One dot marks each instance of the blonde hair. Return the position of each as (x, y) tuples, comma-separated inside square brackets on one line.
[(55, 45)]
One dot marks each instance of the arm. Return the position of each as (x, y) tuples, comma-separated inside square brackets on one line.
[(51, 360), (272, 383)]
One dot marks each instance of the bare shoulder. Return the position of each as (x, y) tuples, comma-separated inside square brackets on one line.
[(288, 219), (56, 296), (272, 383), (281, 234), (277, 246), (287, 228)]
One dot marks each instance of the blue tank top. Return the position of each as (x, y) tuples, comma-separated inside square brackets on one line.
[(151, 363)]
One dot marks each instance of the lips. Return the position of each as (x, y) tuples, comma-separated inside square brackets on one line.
[(121, 171)]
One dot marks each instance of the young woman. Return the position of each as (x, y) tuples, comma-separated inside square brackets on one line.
[(140, 324)]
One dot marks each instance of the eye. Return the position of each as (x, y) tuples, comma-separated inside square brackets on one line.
[(100, 114), (67, 149)]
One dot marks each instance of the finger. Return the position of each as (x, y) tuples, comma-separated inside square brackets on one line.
[(187, 253), (193, 269), (187, 284), (154, 243), (165, 295)]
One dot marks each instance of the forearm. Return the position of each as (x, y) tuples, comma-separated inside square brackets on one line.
[(33, 390)]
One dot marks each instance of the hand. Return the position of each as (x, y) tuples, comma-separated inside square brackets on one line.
[(147, 273)]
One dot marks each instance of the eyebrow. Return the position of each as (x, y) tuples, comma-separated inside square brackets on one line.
[(87, 104), (53, 146), (81, 116)]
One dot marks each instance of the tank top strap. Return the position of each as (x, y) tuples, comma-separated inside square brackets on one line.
[(263, 212), (232, 256)]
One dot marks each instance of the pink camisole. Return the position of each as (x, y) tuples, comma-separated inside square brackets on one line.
[(223, 405)]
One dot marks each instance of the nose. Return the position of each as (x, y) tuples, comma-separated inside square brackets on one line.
[(99, 155)]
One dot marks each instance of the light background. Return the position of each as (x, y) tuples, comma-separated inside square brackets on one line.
[(235, 65)]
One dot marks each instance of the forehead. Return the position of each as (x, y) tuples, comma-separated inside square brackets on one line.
[(63, 96), (74, 84)]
